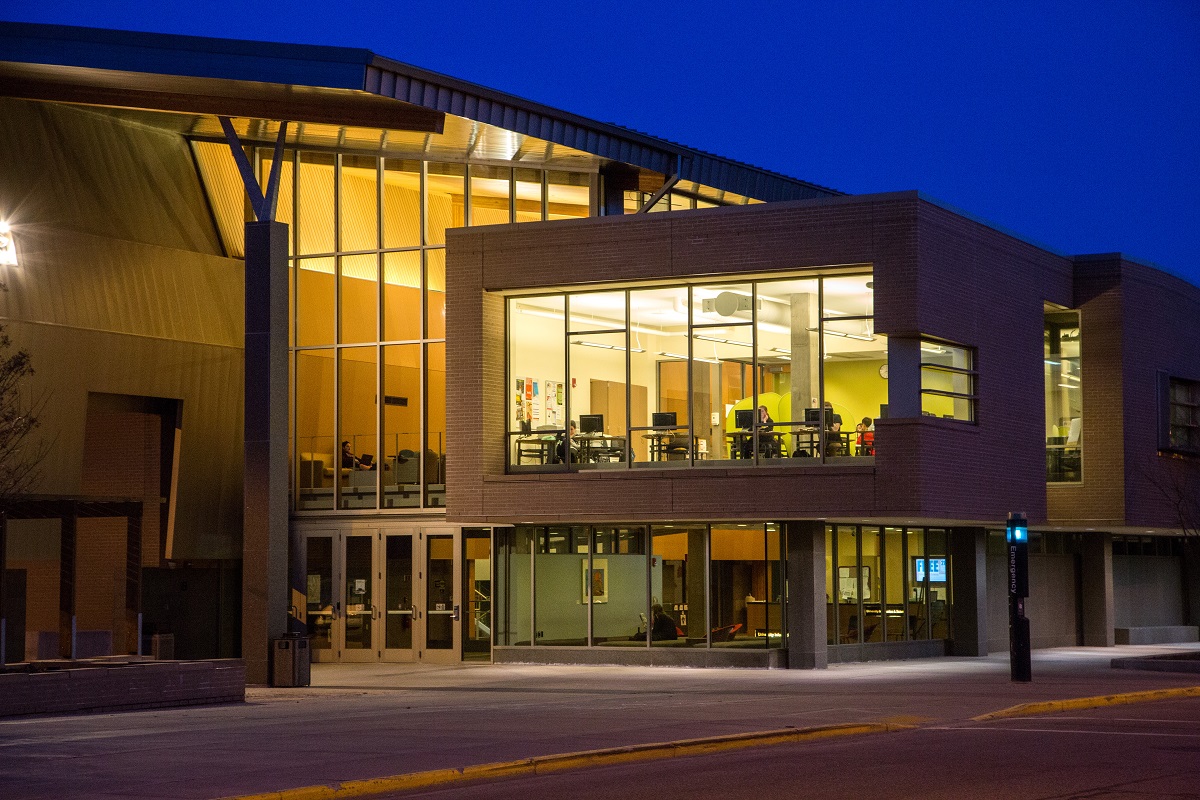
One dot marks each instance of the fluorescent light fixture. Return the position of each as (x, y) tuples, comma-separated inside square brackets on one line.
[(694, 358), (8, 246), (603, 346), (720, 341), (862, 337), (933, 348), (1069, 385), (1051, 361), (534, 311), (782, 350)]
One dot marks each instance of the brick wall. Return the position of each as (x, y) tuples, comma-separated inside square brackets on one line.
[(163, 684), (935, 272)]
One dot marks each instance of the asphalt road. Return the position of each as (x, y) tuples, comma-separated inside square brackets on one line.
[(1124, 752)]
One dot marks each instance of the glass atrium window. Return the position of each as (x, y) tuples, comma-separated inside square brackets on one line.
[(947, 381), (1064, 397)]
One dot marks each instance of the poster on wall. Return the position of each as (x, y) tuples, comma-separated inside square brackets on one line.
[(595, 580)]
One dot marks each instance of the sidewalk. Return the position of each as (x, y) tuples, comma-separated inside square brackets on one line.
[(369, 721)]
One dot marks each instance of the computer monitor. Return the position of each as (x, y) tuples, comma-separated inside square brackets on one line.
[(743, 418), (883, 410), (591, 423), (663, 419), (812, 416), (937, 570)]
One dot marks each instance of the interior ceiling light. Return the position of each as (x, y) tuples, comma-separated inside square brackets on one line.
[(694, 358), (603, 346), (720, 341), (862, 337)]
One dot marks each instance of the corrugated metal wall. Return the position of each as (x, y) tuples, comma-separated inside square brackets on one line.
[(122, 289)]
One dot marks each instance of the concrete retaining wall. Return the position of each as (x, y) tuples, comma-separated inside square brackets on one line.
[(125, 687)]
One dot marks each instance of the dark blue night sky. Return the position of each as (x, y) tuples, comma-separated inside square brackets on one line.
[(1074, 125)]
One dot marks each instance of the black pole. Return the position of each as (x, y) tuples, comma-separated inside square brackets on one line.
[(1018, 590)]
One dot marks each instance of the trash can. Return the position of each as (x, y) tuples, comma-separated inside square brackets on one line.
[(291, 661), (162, 646)]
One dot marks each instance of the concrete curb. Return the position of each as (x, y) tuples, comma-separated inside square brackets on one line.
[(544, 765), (1031, 709)]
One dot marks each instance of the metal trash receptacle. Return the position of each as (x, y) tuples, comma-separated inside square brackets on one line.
[(291, 661), (162, 646)]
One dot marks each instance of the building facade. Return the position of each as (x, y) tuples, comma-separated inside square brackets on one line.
[(464, 273)]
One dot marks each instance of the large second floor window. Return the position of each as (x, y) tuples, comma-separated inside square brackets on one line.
[(732, 373)]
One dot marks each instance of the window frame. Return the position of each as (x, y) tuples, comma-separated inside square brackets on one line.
[(1167, 421), (971, 372)]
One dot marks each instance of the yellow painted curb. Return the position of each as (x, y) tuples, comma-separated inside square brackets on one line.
[(542, 765), (1031, 709)]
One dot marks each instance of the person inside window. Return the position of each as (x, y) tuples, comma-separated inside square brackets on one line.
[(834, 446), (865, 437), (663, 629), (564, 450), (768, 445), (349, 460)]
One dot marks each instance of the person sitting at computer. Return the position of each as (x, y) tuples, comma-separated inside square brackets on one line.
[(833, 432), (865, 437), (349, 460), (565, 451), (663, 628), (768, 446)]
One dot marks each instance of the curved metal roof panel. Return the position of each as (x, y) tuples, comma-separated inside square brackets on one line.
[(360, 70)]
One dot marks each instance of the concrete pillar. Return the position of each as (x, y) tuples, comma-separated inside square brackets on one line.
[(1098, 615), (697, 580), (807, 626), (265, 580), (968, 576), (806, 356), (904, 377)]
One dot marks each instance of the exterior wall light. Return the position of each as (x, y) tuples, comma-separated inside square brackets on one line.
[(8, 246)]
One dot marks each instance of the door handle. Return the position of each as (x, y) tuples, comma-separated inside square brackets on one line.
[(456, 614)]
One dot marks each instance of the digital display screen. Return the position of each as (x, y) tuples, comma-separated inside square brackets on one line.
[(937, 570)]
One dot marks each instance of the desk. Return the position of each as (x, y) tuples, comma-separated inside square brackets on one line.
[(597, 447), (668, 446), (770, 444), (809, 441), (535, 449)]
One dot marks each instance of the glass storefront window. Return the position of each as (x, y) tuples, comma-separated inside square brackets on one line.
[(398, 612), (564, 586), (284, 200), (895, 619), (849, 586), (477, 605), (680, 591), (918, 582), (940, 598), (514, 586), (1064, 397), (618, 584), (746, 605)]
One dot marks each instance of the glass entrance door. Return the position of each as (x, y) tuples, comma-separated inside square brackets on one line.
[(439, 637), (396, 594)]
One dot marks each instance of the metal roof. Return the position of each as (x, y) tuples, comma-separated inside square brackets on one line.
[(350, 79)]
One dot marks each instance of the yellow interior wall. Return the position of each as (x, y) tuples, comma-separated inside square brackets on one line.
[(855, 389)]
